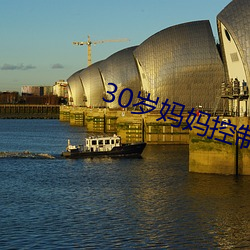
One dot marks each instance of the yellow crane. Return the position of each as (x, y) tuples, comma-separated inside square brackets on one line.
[(89, 43)]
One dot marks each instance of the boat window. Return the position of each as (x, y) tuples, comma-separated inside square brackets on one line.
[(100, 142), (117, 141), (112, 141), (93, 142), (107, 142)]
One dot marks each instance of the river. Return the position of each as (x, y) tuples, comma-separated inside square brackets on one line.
[(48, 202)]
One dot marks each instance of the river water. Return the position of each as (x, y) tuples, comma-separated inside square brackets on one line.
[(150, 203)]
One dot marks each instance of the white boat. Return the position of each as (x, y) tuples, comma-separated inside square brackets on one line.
[(103, 146)]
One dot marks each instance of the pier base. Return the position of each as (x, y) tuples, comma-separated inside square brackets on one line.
[(216, 157), (131, 127)]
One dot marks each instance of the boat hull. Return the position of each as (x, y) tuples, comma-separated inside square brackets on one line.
[(126, 150)]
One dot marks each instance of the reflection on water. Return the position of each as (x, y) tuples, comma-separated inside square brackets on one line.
[(224, 201), (107, 203)]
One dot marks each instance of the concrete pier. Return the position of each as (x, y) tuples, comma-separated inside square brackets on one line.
[(64, 114), (131, 127), (215, 157), (160, 132)]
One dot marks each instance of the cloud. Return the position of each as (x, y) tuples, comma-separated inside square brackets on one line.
[(7, 66), (57, 66), (29, 67)]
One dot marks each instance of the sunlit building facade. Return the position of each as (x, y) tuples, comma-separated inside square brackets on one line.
[(120, 68), (76, 93), (93, 86), (182, 64), (60, 89), (234, 33), (37, 90)]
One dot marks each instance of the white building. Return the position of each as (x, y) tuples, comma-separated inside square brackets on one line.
[(60, 88)]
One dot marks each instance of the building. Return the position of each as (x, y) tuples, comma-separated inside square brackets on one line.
[(38, 95), (92, 82), (234, 33), (9, 97), (60, 89), (181, 64), (76, 93), (37, 90), (120, 68)]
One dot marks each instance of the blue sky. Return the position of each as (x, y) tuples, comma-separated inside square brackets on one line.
[(36, 35)]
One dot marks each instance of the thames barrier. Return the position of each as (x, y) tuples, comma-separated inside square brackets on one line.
[(205, 155), (179, 64), (131, 127)]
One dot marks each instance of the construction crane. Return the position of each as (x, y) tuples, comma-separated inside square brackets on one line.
[(89, 43)]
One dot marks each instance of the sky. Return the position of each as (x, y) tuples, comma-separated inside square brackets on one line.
[(36, 35)]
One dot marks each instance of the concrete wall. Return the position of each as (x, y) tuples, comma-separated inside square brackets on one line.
[(160, 132), (212, 156), (131, 127)]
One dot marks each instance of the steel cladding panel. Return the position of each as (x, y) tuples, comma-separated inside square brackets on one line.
[(182, 64), (76, 89), (93, 85), (236, 18), (120, 69)]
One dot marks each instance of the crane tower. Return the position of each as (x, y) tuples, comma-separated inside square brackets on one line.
[(89, 43)]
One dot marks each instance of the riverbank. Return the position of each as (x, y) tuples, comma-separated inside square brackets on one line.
[(25, 111)]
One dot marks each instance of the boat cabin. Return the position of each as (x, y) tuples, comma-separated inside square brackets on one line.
[(104, 143)]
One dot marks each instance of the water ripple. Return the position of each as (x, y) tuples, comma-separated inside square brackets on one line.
[(148, 203), (26, 154)]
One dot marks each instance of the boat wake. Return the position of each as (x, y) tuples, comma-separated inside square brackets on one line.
[(26, 154)]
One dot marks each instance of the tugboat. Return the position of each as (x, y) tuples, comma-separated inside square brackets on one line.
[(96, 146)]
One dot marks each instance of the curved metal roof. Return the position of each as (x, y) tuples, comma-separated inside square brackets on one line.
[(76, 90), (93, 85), (120, 69), (236, 18), (182, 64)]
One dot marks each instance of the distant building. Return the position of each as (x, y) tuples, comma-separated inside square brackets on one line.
[(37, 90), (30, 90), (38, 95), (60, 89), (47, 90), (40, 100), (9, 97)]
